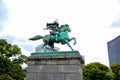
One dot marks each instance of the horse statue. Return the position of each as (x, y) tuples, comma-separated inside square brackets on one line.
[(59, 36)]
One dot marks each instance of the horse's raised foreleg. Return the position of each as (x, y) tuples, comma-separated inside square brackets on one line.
[(67, 42), (73, 39)]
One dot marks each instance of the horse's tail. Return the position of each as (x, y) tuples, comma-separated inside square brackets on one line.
[(37, 37)]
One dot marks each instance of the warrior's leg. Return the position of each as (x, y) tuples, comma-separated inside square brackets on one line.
[(56, 36)]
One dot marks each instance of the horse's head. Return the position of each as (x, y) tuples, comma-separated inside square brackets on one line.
[(65, 28)]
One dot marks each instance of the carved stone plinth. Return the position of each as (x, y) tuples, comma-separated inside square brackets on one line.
[(65, 65)]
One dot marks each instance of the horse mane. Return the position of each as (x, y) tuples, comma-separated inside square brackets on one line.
[(62, 27)]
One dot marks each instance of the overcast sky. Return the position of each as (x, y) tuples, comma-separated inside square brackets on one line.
[(93, 24)]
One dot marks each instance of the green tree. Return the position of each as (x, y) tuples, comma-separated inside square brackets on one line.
[(11, 59), (8, 50), (5, 66), (116, 70), (97, 71), (10, 70), (17, 72)]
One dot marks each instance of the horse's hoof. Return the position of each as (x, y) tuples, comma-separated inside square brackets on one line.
[(74, 43)]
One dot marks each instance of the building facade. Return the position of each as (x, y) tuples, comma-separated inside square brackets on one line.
[(114, 50)]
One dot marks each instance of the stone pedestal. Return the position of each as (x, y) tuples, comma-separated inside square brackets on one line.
[(65, 65)]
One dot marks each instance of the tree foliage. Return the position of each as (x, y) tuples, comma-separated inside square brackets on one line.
[(11, 59), (5, 77), (10, 70), (5, 65), (11, 51), (17, 72), (8, 50), (116, 70), (97, 71)]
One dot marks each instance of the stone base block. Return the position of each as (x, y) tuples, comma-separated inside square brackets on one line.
[(65, 67)]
